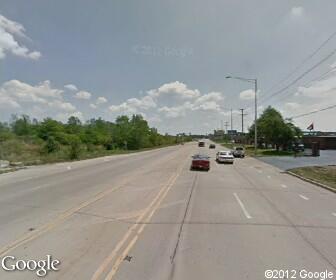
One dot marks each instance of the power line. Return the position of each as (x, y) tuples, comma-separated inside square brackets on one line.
[(319, 78), (300, 77), (303, 62), (313, 112)]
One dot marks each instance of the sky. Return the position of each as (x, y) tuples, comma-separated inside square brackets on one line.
[(167, 60)]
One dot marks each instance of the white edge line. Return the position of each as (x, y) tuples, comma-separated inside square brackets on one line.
[(246, 213), (303, 197)]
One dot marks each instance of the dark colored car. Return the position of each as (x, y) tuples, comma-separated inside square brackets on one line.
[(212, 146), (298, 147), (238, 152), (201, 144), (200, 162)]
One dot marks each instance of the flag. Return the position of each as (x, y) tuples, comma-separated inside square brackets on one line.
[(311, 127)]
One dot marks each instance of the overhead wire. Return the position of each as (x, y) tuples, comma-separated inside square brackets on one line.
[(313, 112), (303, 62), (299, 78)]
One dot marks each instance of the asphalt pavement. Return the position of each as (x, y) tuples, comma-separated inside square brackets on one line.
[(327, 157), (148, 216)]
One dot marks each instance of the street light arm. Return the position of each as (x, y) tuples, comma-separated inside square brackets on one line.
[(242, 79)]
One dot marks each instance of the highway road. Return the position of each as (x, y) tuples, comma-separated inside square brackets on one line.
[(147, 216)]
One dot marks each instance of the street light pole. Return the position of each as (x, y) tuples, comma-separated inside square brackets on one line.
[(255, 117), (255, 81)]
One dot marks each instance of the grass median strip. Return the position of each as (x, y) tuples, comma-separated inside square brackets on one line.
[(322, 174)]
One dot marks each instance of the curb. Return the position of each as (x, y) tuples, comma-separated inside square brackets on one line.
[(312, 181)]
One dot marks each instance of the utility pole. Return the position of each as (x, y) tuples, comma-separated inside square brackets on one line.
[(242, 116), (231, 120), (255, 82), (222, 129), (226, 126)]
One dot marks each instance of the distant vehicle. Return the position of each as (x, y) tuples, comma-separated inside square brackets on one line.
[(298, 147), (200, 162), (212, 146), (201, 144), (224, 157), (238, 152)]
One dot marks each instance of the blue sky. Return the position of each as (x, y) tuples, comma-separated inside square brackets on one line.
[(166, 60)]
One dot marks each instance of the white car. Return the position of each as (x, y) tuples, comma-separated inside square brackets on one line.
[(224, 157)]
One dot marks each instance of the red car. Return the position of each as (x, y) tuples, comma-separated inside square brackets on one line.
[(200, 162)]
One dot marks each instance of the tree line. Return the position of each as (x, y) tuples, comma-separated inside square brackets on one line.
[(74, 138)]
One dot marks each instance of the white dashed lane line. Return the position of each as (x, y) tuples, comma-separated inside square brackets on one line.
[(334, 214), (269, 177), (242, 206), (284, 186), (303, 197)]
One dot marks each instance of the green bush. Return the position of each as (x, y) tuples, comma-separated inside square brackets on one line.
[(51, 145), (74, 146)]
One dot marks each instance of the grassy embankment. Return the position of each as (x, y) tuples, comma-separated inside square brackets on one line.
[(27, 142), (322, 174), (32, 154)]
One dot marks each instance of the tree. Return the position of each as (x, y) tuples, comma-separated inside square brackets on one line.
[(21, 125), (272, 129), (50, 127), (139, 133), (74, 125)]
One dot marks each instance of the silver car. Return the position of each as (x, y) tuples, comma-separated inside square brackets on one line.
[(224, 157)]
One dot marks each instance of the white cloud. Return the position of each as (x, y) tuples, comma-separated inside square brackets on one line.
[(297, 11), (93, 106), (65, 116), (12, 26), (292, 105), (170, 106), (247, 94), (173, 112), (61, 105), (71, 87), (39, 101), (8, 102), (134, 105), (208, 102), (176, 89), (101, 100), (83, 95), (24, 92), (211, 96), (319, 89), (154, 119), (8, 43)]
